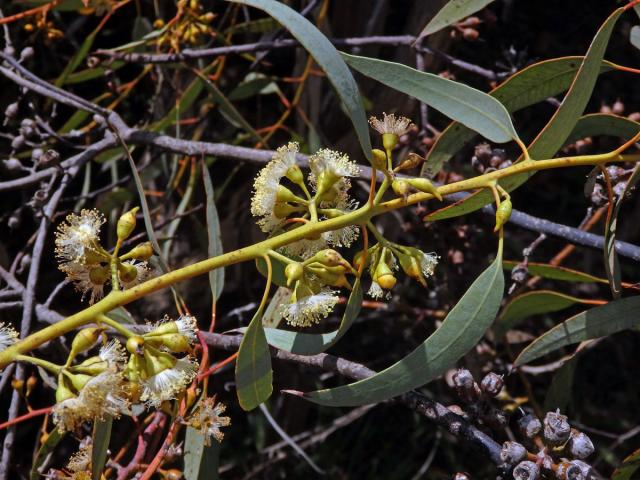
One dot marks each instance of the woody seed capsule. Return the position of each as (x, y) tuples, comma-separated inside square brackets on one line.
[(512, 453), (529, 426), (556, 429), (580, 445), (491, 384), (526, 471)]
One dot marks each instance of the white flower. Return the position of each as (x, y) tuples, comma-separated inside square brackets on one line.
[(375, 291), (168, 383), (188, 326), (336, 163), (391, 124), (428, 263), (309, 310), (8, 336), (80, 461), (266, 186), (343, 237), (84, 281), (104, 394), (113, 353), (305, 248), (78, 236), (208, 419)]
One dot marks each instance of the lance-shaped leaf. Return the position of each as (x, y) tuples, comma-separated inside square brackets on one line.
[(100, 445), (53, 439), (557, 130), (216, 277), (629, 466), (312, 344), (597, 322), (634, 36), (529, 86), (327, 57), (535, 303), (555, 272), (254, 377), (453, 11), (464, 326), (200, 461), (471, 107), (595, 124)]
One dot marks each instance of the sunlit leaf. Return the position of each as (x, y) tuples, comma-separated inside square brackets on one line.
[(461, 330), (556, 272), (471, 107), (634, 36), (216, 277), (327, 57), (597, 322), (452, 12), (628, 468), (595, 124), (53, 439), (200, 461)]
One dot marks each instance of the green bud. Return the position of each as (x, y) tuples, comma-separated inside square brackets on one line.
[(401, 187), (126, 224), (135, 345), (63, 392), (283, 210), (425, 185), (329, 257), (127, 272), (293, 272), (173, 341), (384, 276), (295, 175), (135, 369), (78, 380), (91, 366), (163, 329), (389, 141), (503, 213), (325, 181), (143, 251), (157, 361), (285, 195), (411, 266), (84, 340), (379, 159)]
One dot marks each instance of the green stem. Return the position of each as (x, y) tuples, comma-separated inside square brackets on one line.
[(376, 233), (52, 367), (114, 265), (118, 298), (102, 318)]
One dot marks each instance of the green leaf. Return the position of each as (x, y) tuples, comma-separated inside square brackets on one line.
[(533, 303), (611, 262), (469, 106), (200, 461), (47, 447), (216, 277), (277, 270), (529, 86), (595, 124), (464, 326), (559, 392), (555, 272), (327, 57), (254, 377), (629, 466), (634, 36), (597, 322), (312, 344), (452, 12), (77, 58), (121, 315), (101, 437), (558, 129)]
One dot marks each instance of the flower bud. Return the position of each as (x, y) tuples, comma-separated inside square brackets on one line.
[(461, 476), (17, 384), (556, 429), (99, 275), (492, 384), (32, 381), (384, 276), (512, 453), (466, 388), (585, 470), (175, 342), (503, 213), (127, 272), (126, 224), (78, 380), (12, 110), (135, 345), (389, 141), (401, 187), (85, 339), (379, 159), (410, 261), (285, 195), (580, 445), (63, 392), (293, 272), (425, 185), (91, 366), (142, 251), (283, 209), (295, 175), (529, 426), (329, 258), (526, 471), (156, 361), (413, 160)]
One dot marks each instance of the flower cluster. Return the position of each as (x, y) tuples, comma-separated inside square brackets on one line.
[(87, 264), (208, 419), (279, 208)]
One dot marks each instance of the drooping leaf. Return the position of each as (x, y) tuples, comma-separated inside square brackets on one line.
[(463, 327), (595, 124), (312, 344), (597, 322), (556, 272), (53, 439), (254, 377), (216, 277), (559, 391), (471, 107), (534, 303), (327, 57), (452, 12), (200, 461), (629, 466), (557, 130), (529, 86), (100, 444), (611, 262)]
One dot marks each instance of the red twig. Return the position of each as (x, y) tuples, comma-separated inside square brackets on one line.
[(26, 416)]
